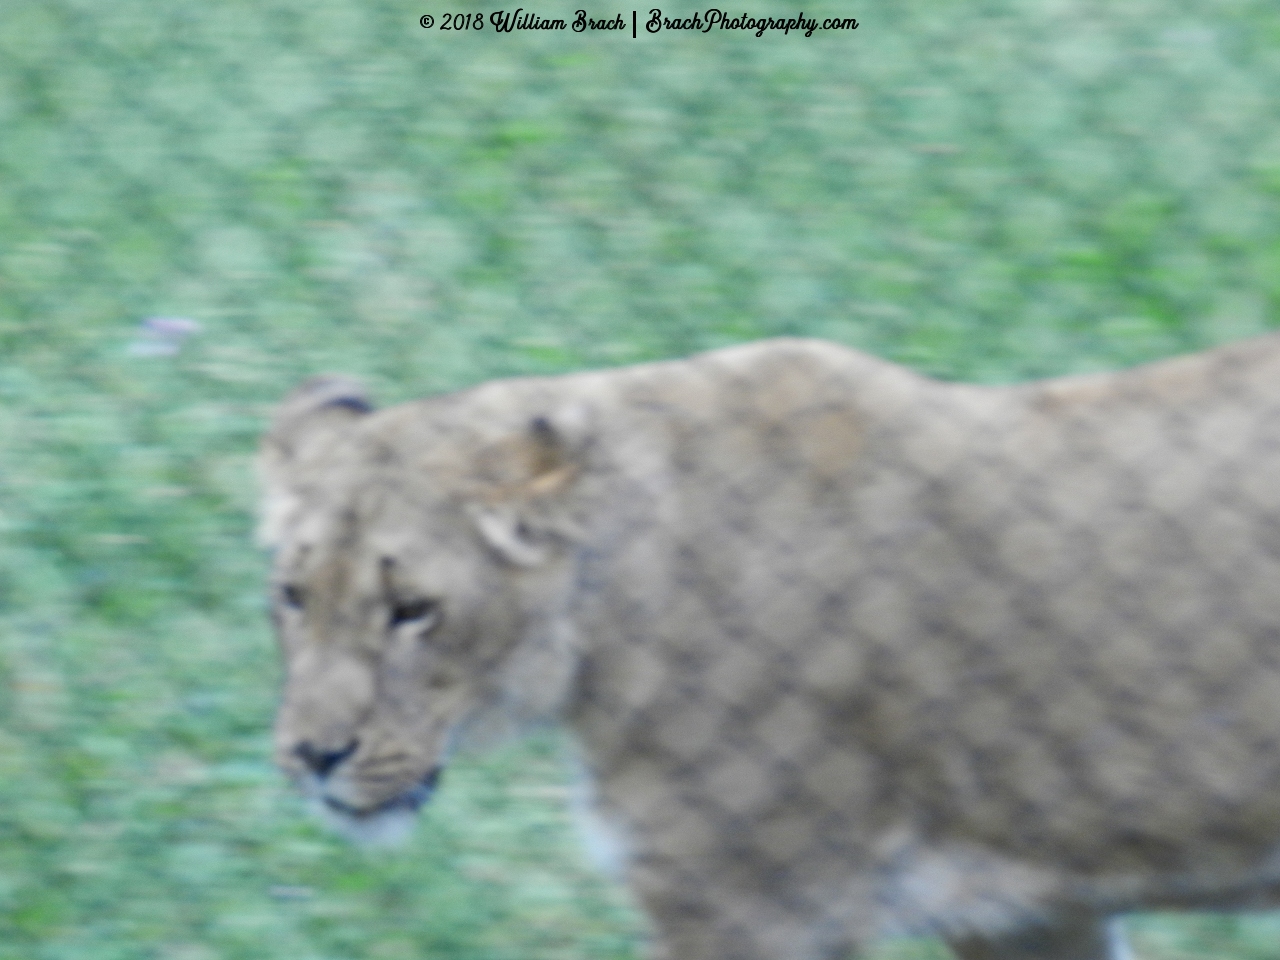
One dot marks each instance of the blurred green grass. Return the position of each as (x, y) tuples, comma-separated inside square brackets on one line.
[(983, 190)]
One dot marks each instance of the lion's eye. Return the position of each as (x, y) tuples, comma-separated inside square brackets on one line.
[(414, 611), (292, 595)]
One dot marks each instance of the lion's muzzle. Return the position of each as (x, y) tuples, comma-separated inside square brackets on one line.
[(332, 776), (407, 802)]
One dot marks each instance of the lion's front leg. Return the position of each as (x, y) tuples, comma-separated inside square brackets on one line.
[(718, 922), (690, 931), (695, 931), (1079, 937)]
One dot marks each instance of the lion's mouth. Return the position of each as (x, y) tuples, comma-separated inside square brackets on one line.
[(407, 802)]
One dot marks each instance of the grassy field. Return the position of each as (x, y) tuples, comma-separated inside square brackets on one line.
[(983, 190)]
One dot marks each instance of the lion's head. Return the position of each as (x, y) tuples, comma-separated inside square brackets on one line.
[(420, 573)]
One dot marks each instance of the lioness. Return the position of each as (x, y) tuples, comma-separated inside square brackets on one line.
[(849, 652)]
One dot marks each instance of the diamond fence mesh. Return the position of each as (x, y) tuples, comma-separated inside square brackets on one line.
[(985, 191)]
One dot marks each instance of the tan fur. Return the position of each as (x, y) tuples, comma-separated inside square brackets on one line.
[(849, 652)]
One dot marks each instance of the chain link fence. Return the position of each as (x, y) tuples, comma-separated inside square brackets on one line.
[(984, 191)]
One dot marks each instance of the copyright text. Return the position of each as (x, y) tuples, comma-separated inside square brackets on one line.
[(703, 21)]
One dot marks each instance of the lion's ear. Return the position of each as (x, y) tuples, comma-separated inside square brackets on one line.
[(307, 421), (522, 510)]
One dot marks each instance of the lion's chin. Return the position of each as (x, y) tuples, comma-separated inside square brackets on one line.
[(388, 824), (390, 828)]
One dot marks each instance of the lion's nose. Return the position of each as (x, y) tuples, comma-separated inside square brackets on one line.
[(322, 762)]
